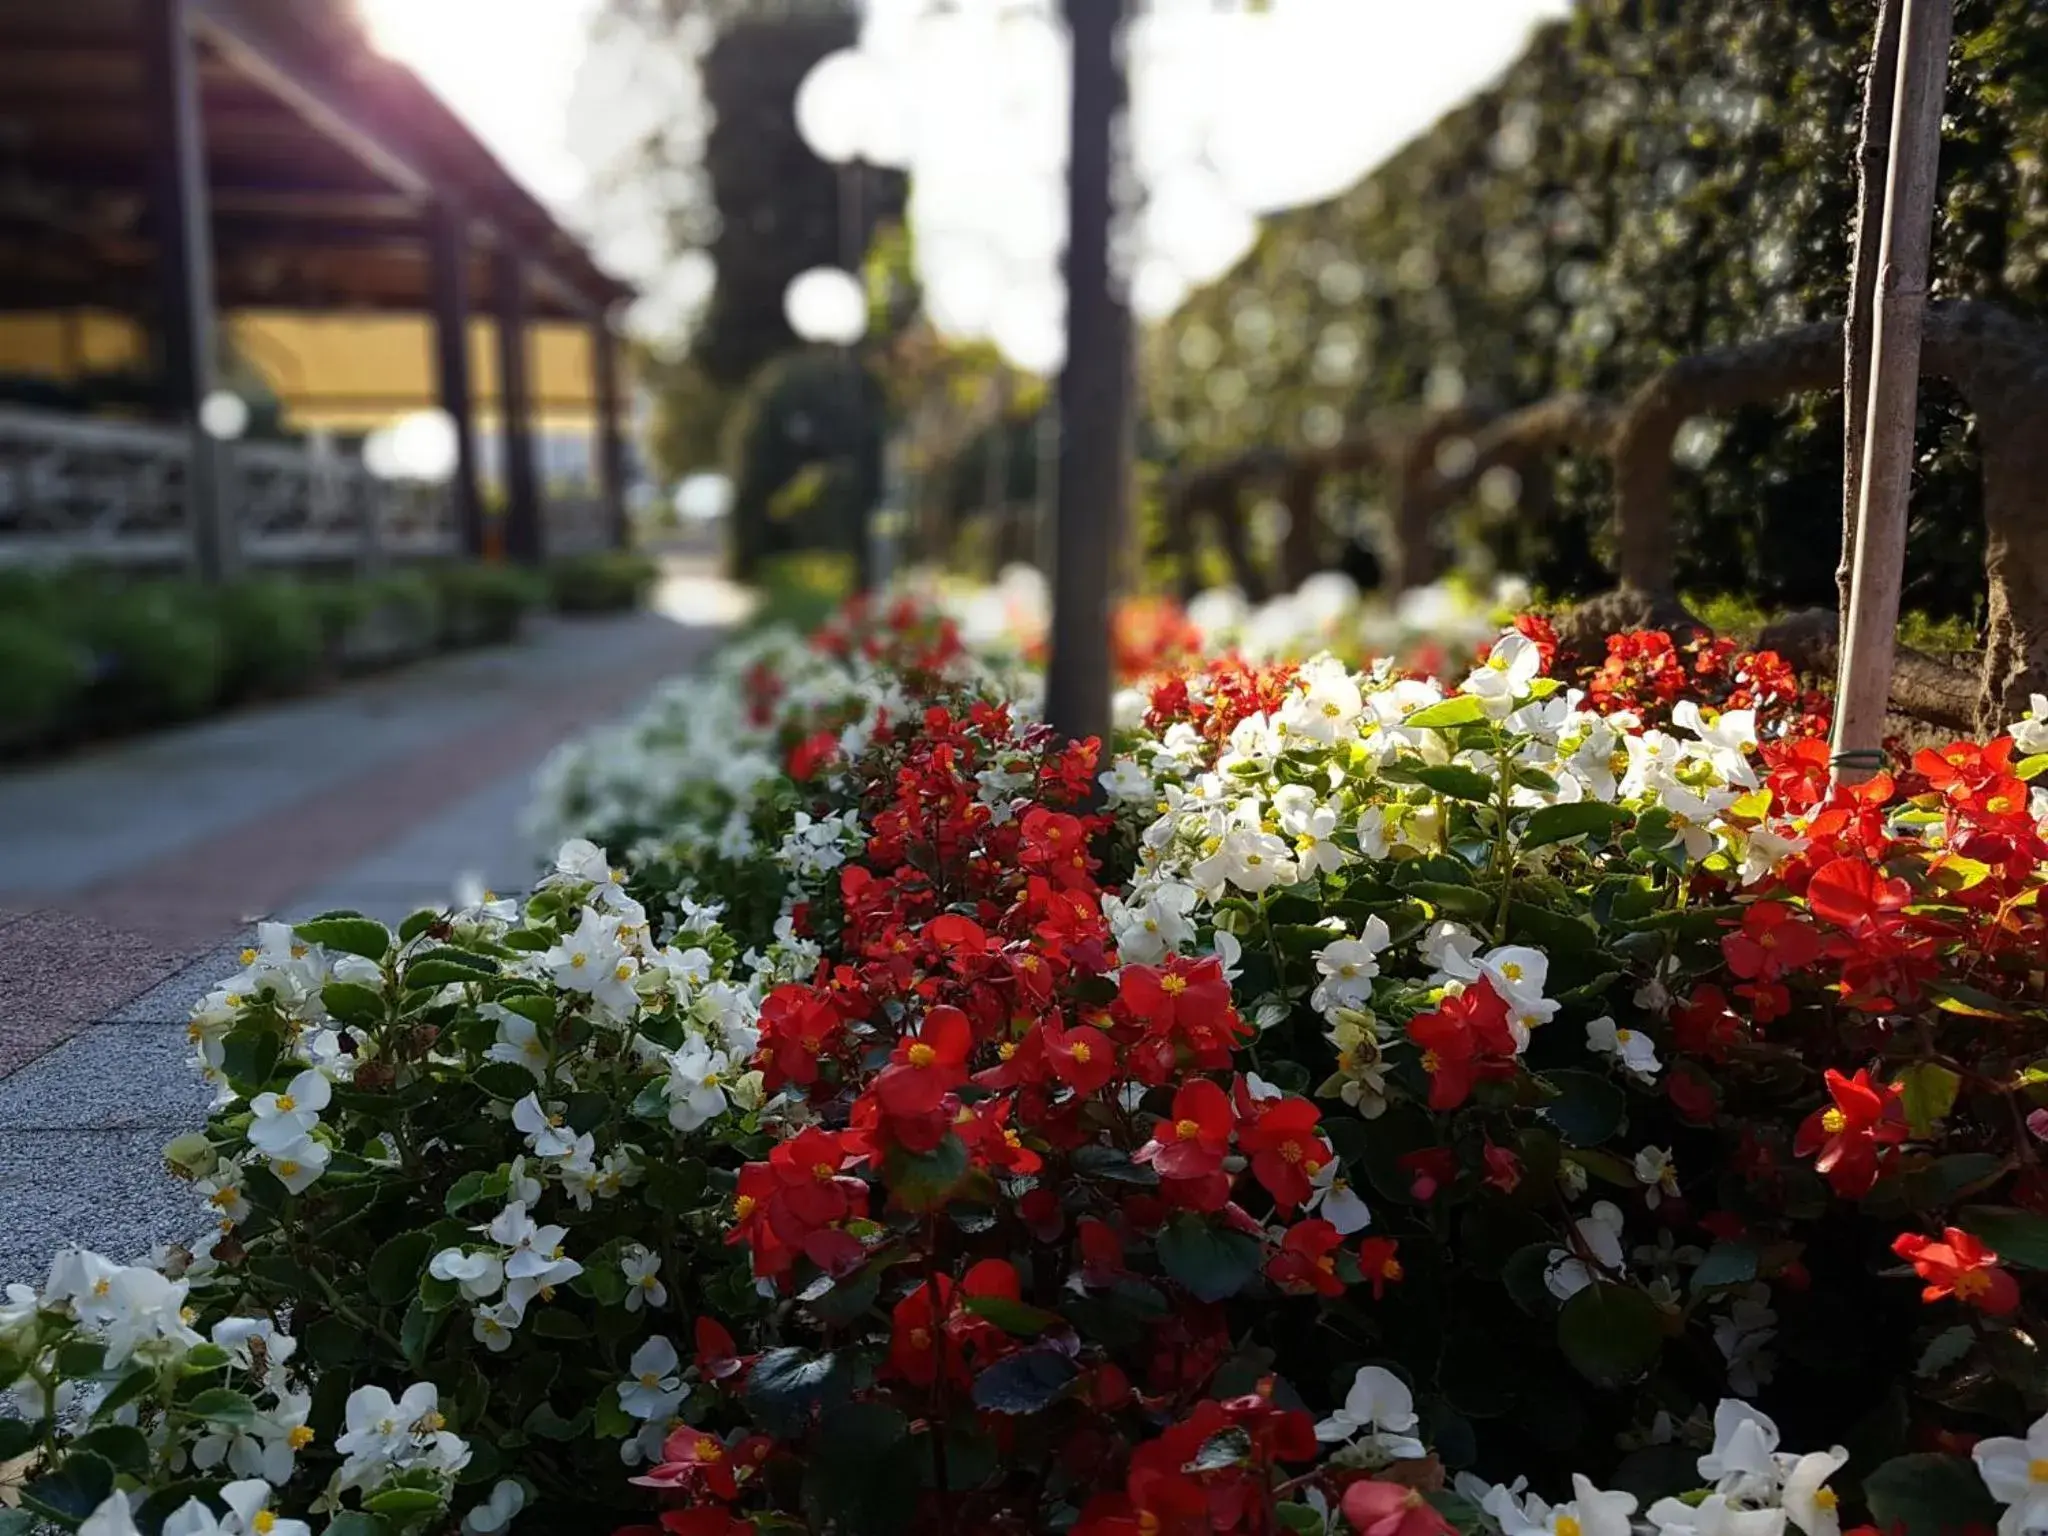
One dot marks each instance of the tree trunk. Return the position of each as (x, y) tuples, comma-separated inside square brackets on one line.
[(1520, 438), (1873, 146), (1301, 554), (1938, 689)]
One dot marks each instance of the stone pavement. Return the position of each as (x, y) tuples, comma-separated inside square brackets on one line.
[(129, 876)]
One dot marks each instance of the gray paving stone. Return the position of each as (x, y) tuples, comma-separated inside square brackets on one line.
[(104, 1190), (111, 1077), (171, 1000)]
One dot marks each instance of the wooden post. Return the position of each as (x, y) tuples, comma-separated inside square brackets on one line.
[(1894, 389), (1094, 393), (1873, 149), (181, 229), (523, 540), (610, 447), (448, 247)]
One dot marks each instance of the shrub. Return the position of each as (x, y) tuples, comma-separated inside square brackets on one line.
[(387, 619), (43, 675), (484, 604), (800, 592), (603, 581), (271, 630), (158, 651)]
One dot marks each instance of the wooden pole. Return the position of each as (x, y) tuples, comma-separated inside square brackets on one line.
[(1894, 389), (1094, 393), (448, 252), (1873, 149), (525, 541)]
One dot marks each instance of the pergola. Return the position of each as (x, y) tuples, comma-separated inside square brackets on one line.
[(173, 160)]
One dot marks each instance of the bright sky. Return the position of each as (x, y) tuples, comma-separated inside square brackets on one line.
[(1236, 114)]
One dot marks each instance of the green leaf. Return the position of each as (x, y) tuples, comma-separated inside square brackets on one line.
[(1955, 997), (1466, 901), (404, 1501), (1945, 1349), (503, 1081), (587, 1111), (1928, 1091), (1454, 780), (1587, 1108), (1611, 1333), (417, 924), (1025, 1382), (788, 1385), (921, 1181), (1459, 709), (1523, 1275), (72, 1492), (124, 1447), (350, 933), (19, 1522), (352, 1002), (17, 1438), (1213, 1262), (555, 1323), (395, 1267), (81, 1357), (610, 1421), (1012, 1316), (1112, 1163), (2020, 1238), (248, 1055), (416, 1333), (1927, 1494), (355, 1523), (223, 1405), (550, 1425), (436, 1294), (1554, 823), (473, 1187), (1726, 1263), (838, 1302), (862, 1475)]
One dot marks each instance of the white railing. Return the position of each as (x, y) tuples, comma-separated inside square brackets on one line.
[(573, 522), (101, 491), (114, 493)]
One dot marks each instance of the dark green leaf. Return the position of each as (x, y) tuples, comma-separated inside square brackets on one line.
[(1012, 1316), (223, 1405), (2018, 1237), (352, 935), (1955, 997), (417, 924), (921, 1181), (395, 1267), (17, 1438), (354, 1523), (1929, 1495), (249, 1054), (1099, 1162), (353, 1003), (417, 1332), (1024, 1382), (472, 1187), (1611, 1333), (1927, 1091), (1587, 1108), (862, 1476), (1454, 780), (124, 1447), (550, 1425), (1554, 823), (1726, 1263), (72, 1492), (502, 1080), (1213, 1262)]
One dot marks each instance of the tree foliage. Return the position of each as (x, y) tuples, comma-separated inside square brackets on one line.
[(1648, 181)]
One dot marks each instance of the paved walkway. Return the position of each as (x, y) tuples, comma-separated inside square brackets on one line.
[(129, 876)]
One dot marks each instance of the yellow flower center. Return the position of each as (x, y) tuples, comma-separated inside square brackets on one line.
[(1512, 970), (920, 1338), (288, 1168), (248, 957), (709, 1449), (1081, 1053), (1567, 1526), (1173, 986), (1187, 1130), (578, 961), (624, 971), (1007, 1049), (300, 1437), (1834, 1122), (744, 1207), (2037, 1470), (263, 1523), (1431, 1062), (1825, 1498), (822, 1170), (1623, 1036), (1290, 1151), (1972, 1282), (1331, 711), (922, 1055), (286, 1103)]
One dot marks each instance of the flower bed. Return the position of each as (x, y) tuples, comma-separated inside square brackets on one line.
[(1385, 1092)]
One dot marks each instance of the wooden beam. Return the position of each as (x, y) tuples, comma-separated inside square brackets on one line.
[(611, 442), (1896, 324), (523, 540), (449, 247), (1094, 393), (186, 329)]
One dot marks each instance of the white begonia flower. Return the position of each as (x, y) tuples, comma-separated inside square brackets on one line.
[(1636, 1051), (477, 1275), (1148, 931), (298, 1165), (1504, 677), (222, 1190), (578, 1171), (580, 859), (1725, 739), (1348, 967), (493, 1324), (1764, 850), (1249, 859), (114, 1518), (1744, 1337), (506, 1500), (285, 1119), (2030, 732), (1380, 1404), (642, 1270), (1742, 1463), (1808, 1501), (1451, 950), (1312, 827), (1695, 816), (2016, 1472), (1716, 1515), (1653, 756), (548, 1135), (1591, 1512), (1657, 1171), (518, 1041), (520, 1186), (1334, 1199), (588, 958), (377, 1427), (654, 1388), (684, 971), (244, 1338), (248, 1503), (1125, 782), (696, 1092), (1596, 1251), (1518, 973)]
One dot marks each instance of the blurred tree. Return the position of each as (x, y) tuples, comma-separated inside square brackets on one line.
[(1647, 182), (804, 450)]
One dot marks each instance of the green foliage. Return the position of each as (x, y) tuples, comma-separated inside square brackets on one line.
[(813, 412), (603, 581), (801, 591), (1647, 181), (484, 604), (159, 653), (272, 635), (43, 675)]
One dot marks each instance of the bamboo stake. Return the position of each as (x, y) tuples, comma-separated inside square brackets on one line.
[(1894, 390)]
